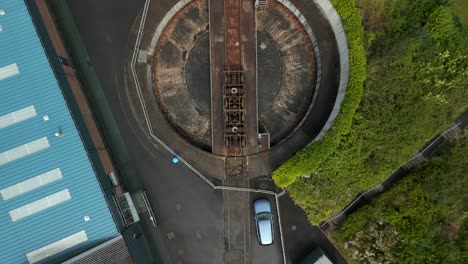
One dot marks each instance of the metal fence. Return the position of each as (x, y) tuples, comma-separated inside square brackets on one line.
[(363, 197)]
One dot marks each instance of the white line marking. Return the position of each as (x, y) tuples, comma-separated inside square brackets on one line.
[(148, 123), (280, 228), (148, 207)]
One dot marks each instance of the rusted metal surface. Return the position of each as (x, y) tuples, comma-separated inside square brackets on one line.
[(233, 85), (234, 112), (232, 11), (233, 77)]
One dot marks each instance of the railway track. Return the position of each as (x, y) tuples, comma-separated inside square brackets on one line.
[(234, 80)]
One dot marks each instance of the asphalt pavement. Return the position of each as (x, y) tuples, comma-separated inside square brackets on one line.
[(299, 237), (189, 213)]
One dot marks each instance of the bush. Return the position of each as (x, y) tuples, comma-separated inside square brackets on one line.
[(421, 220), (309, 158), (414, 89)]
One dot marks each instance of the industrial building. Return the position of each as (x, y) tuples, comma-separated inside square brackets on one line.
[(56, 201)]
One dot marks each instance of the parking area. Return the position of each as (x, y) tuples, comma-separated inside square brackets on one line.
[(266, 254), (192, 224)]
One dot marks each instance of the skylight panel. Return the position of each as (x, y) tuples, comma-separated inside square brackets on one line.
[(17, 116), (39, 205), (31, 184), (57, 247), (24, 150), (9, 71)]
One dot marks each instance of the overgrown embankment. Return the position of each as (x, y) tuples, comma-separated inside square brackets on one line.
[(312, 156), (423, 219), (415, 86)]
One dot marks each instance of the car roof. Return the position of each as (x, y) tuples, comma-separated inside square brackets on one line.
[(262, 205), (265, 231)]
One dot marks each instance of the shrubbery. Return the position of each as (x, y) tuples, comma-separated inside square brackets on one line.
[(421, 220), (312, 156), (415, 87)]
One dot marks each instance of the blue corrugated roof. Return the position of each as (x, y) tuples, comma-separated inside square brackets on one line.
[(36, 85)]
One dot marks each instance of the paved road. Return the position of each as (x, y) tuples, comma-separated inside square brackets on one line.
[(188, 211), (190, 214), (300, 238), (265, 254)]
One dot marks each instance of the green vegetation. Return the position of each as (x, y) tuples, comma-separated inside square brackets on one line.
[(461, 9), (312, 156), (415, 87), (423, 219)]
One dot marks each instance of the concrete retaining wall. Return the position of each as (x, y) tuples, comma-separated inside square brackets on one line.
[(335, 22)]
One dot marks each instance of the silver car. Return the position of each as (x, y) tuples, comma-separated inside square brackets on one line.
[(263, 221)]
